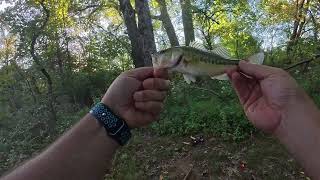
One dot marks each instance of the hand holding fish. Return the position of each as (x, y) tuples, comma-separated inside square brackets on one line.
[(266, 96), (137, 95), (274, 102)]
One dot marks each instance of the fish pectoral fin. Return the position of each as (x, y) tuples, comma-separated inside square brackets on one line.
[(222, 77), (189, 78)]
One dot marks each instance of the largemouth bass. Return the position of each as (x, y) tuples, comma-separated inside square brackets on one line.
[(193, 61)]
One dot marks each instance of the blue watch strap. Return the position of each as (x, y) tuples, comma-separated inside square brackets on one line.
[(116, 127)]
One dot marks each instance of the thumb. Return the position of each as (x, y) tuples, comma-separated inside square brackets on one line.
[(255, 70)]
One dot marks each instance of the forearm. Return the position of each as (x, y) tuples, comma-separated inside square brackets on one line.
[(299, 132), (84, 152)]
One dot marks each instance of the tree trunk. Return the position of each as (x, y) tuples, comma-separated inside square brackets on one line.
[(298, 25), (187, 21), (51, 99), (133, 32), (146, 30), (166, 21)]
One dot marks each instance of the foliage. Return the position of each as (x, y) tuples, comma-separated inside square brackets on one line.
[(204, 112), (84, 45)]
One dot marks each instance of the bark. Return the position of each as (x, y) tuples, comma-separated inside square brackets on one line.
[(51, 99), (167, 24), (303, 22), (187, 21), (133, 32), (146, 30)]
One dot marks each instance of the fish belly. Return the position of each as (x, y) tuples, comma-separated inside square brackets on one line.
[(206, 69)]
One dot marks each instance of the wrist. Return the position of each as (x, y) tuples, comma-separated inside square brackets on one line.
[(299, 132), (300, 112), (115, 126), (91, 122), (116, 110)]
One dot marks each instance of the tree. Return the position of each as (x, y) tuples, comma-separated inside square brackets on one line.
[(187, 21), (298, 25), (51, 99), (166, 21), (146, 30), (141, 33)]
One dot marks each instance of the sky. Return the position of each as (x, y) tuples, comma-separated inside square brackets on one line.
[(3, 5)]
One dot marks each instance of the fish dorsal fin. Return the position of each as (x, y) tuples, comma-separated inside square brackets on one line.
[(197, 45), (221, 51)]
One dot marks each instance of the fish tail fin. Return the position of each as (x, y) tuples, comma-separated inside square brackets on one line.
[(256, 58)]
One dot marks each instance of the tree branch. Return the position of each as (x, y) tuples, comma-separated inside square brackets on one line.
[(204, 13), (303, 62)]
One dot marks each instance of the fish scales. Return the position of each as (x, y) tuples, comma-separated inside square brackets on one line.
[(207, 57)]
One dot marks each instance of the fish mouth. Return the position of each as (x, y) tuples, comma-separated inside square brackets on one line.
[(177, 62)]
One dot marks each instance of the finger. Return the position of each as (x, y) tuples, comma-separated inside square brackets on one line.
[(241, 86), (153, 107), (142, 119), (161, 73), (257, 71), (156, 83), (141, 73), (149, 95), (231, 71)]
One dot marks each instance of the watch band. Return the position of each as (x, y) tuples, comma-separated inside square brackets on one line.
[(116, 127)]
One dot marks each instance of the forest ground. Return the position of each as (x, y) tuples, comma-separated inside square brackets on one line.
[(149, 156)]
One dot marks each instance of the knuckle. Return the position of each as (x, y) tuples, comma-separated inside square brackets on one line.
[(155, 83), (144, 95), (149, 84)]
